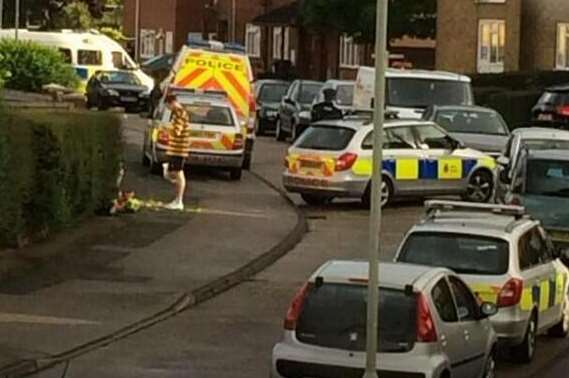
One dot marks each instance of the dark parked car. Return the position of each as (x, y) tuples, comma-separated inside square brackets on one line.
[(108, 89), (479, 128), (269, 94), (553, 106), (294, 111)]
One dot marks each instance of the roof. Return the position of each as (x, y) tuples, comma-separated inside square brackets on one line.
[(358, 123), (390, 274), (541, 132), (337, 83), (285, 15), (272, 81), (549, 154), (558, 88), (466, 108), (422, 74)]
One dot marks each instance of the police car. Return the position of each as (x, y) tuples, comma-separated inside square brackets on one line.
[(334, 159), (506, 258)]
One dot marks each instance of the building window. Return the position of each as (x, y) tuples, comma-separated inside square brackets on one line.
[(147, 43), (253, 40), (281, 43), (491, 46), (349, 52), (562, 47)]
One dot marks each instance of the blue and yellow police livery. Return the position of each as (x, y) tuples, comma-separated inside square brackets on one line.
[(334, 159)]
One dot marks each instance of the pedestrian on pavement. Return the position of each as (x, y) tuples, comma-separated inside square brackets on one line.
[(177, 152)]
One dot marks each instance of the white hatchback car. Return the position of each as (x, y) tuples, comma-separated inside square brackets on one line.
[(430, 325)]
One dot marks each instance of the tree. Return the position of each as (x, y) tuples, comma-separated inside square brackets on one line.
[(74, 15), (415, 18)]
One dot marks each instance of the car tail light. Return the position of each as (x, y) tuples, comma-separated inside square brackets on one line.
[(295, 308), (511, 293), (563, 110), (238, 142), (426, 332), (163, 137), (346, 161)]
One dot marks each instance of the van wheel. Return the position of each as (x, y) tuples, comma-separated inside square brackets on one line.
[(235, 174), (561, 329), (386, 193), (279, 134), (526, 350), (314, 199)]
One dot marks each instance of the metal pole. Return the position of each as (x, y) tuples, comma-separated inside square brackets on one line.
[(375, 216), (1, 13), (17, 26), (137, 31), (233, 21)]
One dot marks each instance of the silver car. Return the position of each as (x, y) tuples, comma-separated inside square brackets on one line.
[(431, 325), (506, 258)]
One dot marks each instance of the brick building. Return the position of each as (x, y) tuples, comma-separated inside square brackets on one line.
[(493, 36)]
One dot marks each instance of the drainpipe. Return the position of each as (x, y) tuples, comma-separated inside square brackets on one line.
[(233, 21), (137, 30)]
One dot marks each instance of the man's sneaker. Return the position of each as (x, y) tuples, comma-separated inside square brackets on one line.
[(165, 171), (175, 205)]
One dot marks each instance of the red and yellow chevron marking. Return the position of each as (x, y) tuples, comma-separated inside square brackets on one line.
[(220, 72), (325, 167), (223, 143)]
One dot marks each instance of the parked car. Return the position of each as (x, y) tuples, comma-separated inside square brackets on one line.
[(506, 258), (532, 138), (479, 128), (540, 183), (334, 159), (553, 106), (216, 134), (344, 93), (269, 94), (123, 89), (430, 325), (294, 111), (410, 92)]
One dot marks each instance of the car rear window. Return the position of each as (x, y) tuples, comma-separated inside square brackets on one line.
[(334, 316), (308, 92), (422, 93), (465, 254), (328, 138), (554, 98), (210, 115), (273, 92)]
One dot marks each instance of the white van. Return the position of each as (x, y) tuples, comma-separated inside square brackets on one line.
[(410, 92), (87, 52)]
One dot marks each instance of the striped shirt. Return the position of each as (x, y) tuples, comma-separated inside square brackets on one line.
[(179, 133)]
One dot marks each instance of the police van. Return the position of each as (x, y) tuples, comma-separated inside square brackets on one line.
[(88, 52), (410, 92)]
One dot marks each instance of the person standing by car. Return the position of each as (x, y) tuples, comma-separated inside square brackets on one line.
[(178, 150), (326, 110)]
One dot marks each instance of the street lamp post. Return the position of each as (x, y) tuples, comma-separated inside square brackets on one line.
[(17, 22), (137, 30), (1, 13), (376, 189)]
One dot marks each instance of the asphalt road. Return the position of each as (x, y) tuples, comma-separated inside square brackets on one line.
[(233, 334)]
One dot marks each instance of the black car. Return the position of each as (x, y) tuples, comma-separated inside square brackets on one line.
[(294, 111), (553, 107), (108, 89), (479, 128), (269, 94)]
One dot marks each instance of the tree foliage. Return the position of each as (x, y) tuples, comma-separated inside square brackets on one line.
[(75, 16), (415, 18)]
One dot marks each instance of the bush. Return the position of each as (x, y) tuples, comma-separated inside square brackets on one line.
[(55, 167), (31, 66)]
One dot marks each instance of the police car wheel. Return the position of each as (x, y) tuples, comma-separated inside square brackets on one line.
[(235, 174), (479, 187), (386, 193), (314, 199), (561, 329), (525, 351)]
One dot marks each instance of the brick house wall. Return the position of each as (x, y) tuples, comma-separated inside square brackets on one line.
[(458, 29), (539, 32)]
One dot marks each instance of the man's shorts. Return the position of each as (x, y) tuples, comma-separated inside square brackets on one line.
[(176, 164)]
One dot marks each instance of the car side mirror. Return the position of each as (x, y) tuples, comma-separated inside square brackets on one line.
[(503, 161), (488, 309)]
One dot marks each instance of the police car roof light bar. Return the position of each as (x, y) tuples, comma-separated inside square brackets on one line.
[(183, 90), (441, 206)]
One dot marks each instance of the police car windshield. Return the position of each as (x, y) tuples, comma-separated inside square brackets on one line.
[(334, 316), (422, 93), (465, 254), (471, 122), (273, 92), (206, 114), (548, 177), (328, 138)]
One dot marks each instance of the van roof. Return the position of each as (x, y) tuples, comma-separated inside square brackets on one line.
[(85, 40), (422, 74)]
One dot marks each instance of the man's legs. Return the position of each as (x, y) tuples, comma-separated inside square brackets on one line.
[(174, 173)]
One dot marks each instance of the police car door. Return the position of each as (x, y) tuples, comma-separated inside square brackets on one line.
[(539, 275), (401, 160), (441, 171)]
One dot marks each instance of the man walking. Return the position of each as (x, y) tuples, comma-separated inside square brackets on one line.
[(178, 149)]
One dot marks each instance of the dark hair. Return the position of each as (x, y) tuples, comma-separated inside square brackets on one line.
[(170, 98)]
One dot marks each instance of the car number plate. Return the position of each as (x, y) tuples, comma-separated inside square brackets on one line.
[(203, 134), (545, 117), (309, 181), (311, 164), (129, 99)]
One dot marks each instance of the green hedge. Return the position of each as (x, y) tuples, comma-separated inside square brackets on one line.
[(30, 66), (55, 167)]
